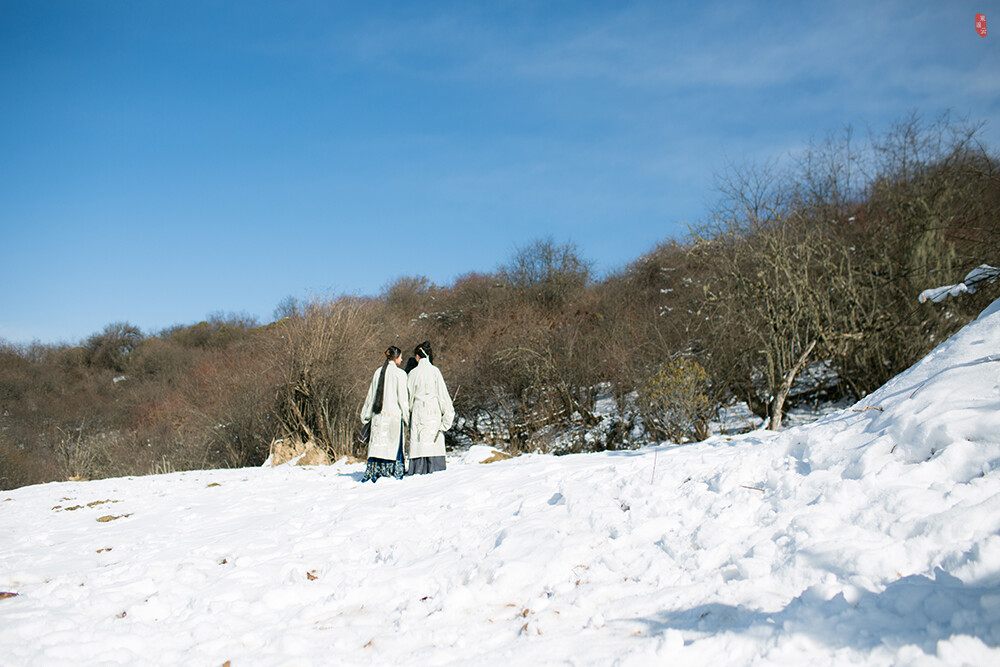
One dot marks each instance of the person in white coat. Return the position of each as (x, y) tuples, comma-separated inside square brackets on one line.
[(387, 407), (431, 413)]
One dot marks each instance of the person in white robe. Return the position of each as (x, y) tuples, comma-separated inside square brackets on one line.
[(387, 407), (431, 413)]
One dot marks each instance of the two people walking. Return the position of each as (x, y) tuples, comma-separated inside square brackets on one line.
[(398, 401)]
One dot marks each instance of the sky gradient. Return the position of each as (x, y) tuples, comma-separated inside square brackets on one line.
[(162, 161)]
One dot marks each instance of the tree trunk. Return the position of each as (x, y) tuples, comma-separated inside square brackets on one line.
[(778, 404)]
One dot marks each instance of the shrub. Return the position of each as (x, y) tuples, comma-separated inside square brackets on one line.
[(677, 404), (111, 348), (409, 296), (19, 467), (220, 331), (547, 273), (326, 358), (225, 414), (156, 359)]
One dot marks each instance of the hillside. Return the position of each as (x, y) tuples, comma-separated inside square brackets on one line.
[(869, 537)]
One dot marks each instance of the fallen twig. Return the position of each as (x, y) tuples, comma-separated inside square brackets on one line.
[(866, 408), (752, 488)]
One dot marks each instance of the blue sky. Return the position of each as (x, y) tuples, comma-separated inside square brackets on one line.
[(162, 161)]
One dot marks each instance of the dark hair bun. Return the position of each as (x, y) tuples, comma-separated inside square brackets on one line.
[(424, 350)]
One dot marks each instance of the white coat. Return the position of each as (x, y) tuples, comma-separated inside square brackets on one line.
[(431, 411), (386, 428)]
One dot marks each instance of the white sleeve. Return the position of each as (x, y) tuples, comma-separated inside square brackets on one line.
[(444, 400), (366, 411), (403, 397)]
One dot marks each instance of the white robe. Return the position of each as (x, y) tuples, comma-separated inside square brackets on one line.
[(386, 427), (431, 411)]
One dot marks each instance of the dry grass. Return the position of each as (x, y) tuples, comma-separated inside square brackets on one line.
[(290, 449), (497, 456)]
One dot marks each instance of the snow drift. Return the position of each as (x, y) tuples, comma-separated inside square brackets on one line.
[(869, 537)]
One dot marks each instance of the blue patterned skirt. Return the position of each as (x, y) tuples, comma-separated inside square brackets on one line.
[(384, 467)]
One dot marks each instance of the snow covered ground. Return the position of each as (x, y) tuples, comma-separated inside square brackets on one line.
[(871, 536)]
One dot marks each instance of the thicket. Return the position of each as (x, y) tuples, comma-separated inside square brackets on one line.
[(815, 261)]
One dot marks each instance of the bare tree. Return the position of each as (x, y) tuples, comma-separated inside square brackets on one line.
[(764, 295)]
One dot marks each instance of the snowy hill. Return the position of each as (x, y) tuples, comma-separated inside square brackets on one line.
[(869, 537)]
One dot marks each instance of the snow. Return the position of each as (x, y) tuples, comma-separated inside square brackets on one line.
[(869, 537), (980, 274)]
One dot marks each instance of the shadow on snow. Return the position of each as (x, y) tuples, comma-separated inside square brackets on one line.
[(914, 610)]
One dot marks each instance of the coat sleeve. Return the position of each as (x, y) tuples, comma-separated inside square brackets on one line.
[(403, 397), (444, 400), (366, 411)]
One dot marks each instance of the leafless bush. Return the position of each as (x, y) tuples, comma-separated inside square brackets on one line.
[(824, 260), (15, 378), (111, 348), (218, 332), (408, 297), (224, 414), (649, 312), (766, 297), (78, 458), (925, 216), (546, 272), (86, 454), (326, 359), (21, 467), (158, 359)]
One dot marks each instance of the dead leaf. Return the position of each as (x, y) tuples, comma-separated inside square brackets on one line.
[(4, 596)]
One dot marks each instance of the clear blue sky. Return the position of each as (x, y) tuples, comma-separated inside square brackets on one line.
[(161, 161)]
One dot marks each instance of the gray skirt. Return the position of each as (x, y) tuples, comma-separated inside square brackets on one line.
[(425, 464)]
